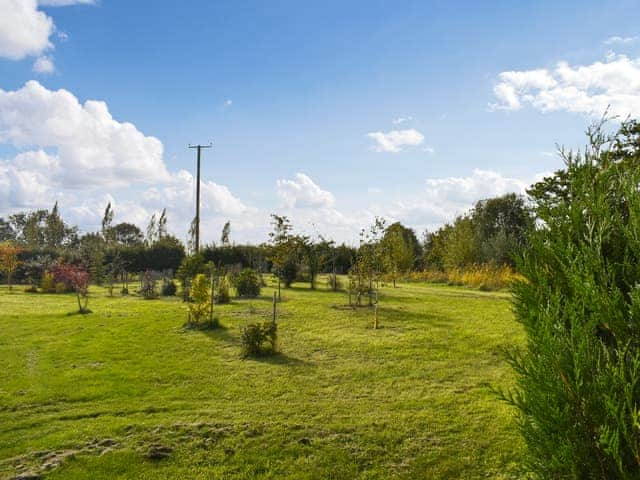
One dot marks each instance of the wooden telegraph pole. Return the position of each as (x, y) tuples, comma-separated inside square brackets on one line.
[(197, 229)]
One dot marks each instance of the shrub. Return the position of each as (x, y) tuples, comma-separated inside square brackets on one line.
[(288, 272), (222, 292), (76, 278), (31, 289), (124, 291), (169, 289), (201, 298), (60, 288), (48, 283), (248, 283), (259, 339), (577, 381)]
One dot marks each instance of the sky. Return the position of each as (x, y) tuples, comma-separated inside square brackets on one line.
[(328, 112)]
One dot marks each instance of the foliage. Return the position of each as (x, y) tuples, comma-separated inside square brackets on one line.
[(76, 279), (169, 289), (578, 391), (9, 260), (493, 232), (48, 284), (259, 339), (226, 232), (334, 282), (191, 266), (200, 307), (248, 283), (222, 291), (400, 250), (284, 249)]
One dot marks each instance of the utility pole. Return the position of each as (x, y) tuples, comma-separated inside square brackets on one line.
[(197, 229)]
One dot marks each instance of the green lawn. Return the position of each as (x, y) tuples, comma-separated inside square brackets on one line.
[(94, 396)]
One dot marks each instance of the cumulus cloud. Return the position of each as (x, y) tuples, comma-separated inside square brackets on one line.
[(44, 64), (443, 198), (302, 192), (24, 30), (588, 89), (93, 148), (78, 154), (396, 140)]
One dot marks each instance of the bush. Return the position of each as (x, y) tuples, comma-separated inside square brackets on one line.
[(259, 339), (577, 381), (48, 283), (248, 283), (60, 287), (201, 297), (222, 293), (31, 289), (289, 272), (169, 289), (124, 291)]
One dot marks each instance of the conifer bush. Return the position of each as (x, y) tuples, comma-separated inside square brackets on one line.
[(578, 387), (248, 283)]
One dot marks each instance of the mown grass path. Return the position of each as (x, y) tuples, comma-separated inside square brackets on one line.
[(126, 392)]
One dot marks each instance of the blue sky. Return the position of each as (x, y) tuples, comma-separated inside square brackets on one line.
[(301, 101)]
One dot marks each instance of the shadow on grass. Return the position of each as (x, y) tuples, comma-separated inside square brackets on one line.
[(277, 358)]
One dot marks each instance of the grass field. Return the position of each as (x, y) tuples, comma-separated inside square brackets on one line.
[(127, 392)]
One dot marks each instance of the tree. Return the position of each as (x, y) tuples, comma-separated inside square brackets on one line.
[(152, 230), (75, 279), (400, 249), (9, 260), (162, 225), (283, 250), (107, 221), (369, 260), (502, 226), (127, 234), (7, 234), (54, 229), (226, 231), (578, 388)]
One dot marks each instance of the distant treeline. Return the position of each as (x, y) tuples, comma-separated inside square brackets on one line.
[(491, 233)]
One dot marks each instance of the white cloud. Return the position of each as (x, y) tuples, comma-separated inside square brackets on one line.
[(399, 120), (44, 64), (395, 140), (444, 198), (79, 155), (24, 30), (93, 148), (302, 192), (588, 89), (617, 40), (228, 102)]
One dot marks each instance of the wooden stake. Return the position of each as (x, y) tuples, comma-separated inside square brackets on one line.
[(275, 302)]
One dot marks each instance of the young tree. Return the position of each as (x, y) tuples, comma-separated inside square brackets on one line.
[(152, 230), (162, 225), (107, 221), (400, 249), (283, 250), (76, 279), (578, 388), (54, 229), (226, 232), (9, 260)]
